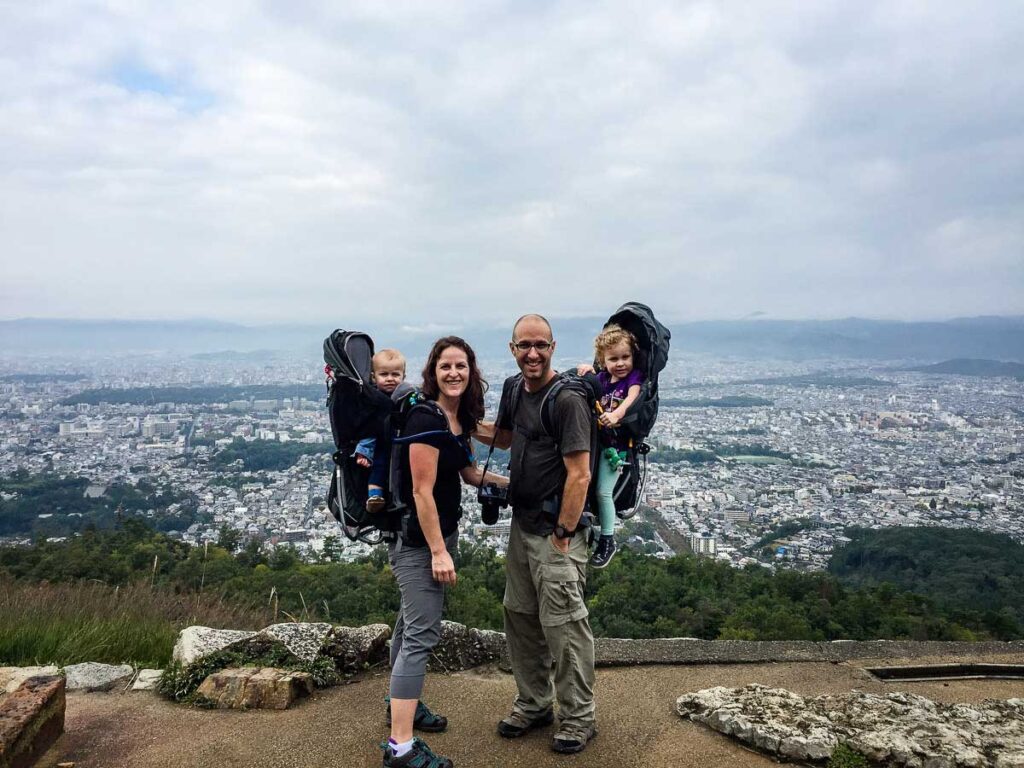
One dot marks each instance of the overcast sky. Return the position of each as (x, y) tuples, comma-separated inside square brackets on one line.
[(444, 162)]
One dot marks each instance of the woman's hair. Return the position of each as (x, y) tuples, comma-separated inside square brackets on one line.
[(471, 406), (612, 336)]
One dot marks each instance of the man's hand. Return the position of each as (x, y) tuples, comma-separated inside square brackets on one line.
[(562, 545), (362, 461)]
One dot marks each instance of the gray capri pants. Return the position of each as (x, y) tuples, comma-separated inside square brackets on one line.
[(418, 626)]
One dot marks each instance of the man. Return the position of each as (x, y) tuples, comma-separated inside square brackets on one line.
[(550, 643)]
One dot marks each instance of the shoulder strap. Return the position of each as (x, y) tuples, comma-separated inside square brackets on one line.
[(583, 386), (432, 407)]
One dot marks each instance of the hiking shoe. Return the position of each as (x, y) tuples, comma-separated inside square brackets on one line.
[(375, 504), (604, 553), (517, 724), (572, 738), (424, 720), (420, 756)]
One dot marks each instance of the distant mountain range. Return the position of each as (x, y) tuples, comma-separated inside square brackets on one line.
[(973, 367), (978, 337)]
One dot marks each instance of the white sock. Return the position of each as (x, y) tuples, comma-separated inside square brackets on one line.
[(400, 749)]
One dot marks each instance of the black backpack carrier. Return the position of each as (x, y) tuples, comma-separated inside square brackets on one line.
[(652, 340), (358, 410)]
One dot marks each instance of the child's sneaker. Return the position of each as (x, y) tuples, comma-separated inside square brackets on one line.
[(375, 503), (420, 756), (605, 551)]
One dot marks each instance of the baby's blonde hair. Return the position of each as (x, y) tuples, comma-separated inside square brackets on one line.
[(386, 356), (612, 336)]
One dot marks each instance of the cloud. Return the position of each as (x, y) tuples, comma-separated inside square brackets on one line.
[(444, 162)]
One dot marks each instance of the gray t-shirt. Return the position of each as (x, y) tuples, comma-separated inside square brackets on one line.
[(536, 469)]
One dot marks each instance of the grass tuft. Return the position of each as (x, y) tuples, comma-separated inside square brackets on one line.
[(71, 623)]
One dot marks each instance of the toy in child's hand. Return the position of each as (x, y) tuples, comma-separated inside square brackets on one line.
[(614, 458)]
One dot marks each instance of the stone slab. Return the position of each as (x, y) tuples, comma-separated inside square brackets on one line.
[(196, 642), (31, 719), (255, 688), (91, 676), (900, 730), (147, 679), (11, 678)]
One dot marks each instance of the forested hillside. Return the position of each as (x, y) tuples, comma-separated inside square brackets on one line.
[(975, 577), (637, 596)]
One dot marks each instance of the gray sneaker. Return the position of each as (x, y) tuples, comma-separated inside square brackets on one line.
[(518, 724), (572, 738)]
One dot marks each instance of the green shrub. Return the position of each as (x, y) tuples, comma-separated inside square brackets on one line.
[(844, 756)]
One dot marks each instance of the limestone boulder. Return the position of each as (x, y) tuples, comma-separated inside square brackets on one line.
[(196, 642), (462, 647), (147, 680), (255, 688), (303, 640), (897, 729), (355, 648), (11, 678), (91, 676)]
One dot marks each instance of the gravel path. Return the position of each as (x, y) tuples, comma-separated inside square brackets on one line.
[(342, 726)]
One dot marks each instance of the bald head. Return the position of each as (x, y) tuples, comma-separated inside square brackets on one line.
[(534, 322)]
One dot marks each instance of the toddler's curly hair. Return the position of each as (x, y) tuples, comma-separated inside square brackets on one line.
[(610, 337)]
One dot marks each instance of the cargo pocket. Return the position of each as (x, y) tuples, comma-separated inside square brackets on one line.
[(560, 595)]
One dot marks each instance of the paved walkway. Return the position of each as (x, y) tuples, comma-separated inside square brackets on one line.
[(342, 726)]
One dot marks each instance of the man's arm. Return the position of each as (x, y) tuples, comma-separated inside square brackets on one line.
[(574, 493)]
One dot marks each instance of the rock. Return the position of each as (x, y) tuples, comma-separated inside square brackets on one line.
[(255, 688), (147, 679), (462, 647), (898, 729), (91, 676), (11, 678), (196, 642), (303, 640), (354, 648), (31, 719)]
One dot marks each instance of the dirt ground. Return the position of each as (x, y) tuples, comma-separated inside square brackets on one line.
[(342, 726)]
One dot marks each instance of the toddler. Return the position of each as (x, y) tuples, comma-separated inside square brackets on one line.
[(614, 351), (388, 374)]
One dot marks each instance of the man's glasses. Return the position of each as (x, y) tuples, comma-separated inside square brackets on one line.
[(526, 346)]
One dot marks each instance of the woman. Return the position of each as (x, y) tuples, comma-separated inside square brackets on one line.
[(437, 453)]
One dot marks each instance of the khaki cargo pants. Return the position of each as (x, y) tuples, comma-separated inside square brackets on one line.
[(550, 643)]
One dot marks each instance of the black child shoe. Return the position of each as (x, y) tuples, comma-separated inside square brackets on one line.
[(604, 552), (420, 756)]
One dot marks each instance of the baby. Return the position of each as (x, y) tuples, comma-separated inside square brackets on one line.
[(388, 374)]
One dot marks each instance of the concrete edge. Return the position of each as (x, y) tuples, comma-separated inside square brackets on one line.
[(610, 652)]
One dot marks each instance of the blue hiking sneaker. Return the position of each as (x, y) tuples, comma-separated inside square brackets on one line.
[(424, 720), (420, 756)]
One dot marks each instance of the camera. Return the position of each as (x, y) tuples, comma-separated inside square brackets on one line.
[(493, 498)]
